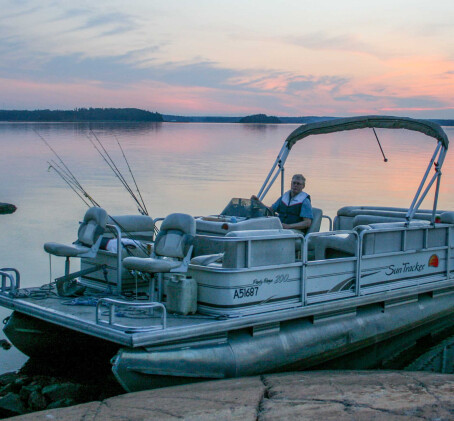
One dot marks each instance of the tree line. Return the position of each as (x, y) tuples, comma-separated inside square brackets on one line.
[(81, 114)]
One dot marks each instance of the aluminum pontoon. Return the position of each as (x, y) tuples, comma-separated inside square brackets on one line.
[(234, 294)]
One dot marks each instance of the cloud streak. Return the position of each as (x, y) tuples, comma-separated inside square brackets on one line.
[(321, 41)]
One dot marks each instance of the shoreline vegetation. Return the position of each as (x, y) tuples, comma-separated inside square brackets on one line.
[(137, 115)]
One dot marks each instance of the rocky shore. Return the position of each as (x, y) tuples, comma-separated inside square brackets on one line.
[(316, 395), (39, 385)]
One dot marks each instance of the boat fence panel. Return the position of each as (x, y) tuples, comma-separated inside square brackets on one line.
[(259, 272), (330, 279), (399, 257)]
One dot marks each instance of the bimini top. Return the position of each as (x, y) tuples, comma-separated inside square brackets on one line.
[(372, 121)]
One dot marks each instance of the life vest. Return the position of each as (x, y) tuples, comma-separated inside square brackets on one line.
[(290, 213)]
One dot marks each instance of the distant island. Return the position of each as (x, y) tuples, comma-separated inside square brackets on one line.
[(81, 114), (261, 119), (138, 115), (208, 119)]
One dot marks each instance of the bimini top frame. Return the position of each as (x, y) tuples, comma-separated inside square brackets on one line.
[(382, 122)]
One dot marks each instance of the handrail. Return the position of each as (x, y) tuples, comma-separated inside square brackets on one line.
[(329, 220), (119, 251), (448, 254), (14, 280), (112, 305)]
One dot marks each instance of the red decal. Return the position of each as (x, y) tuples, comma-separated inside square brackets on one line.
[(433, 261)]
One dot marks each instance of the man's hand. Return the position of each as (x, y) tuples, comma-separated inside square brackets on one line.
[(305, 223)]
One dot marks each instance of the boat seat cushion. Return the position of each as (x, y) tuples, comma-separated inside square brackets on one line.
[(447, 218), (206, 259), (176, 236), (139, 227), (342, 244), (150, 265), (93, 225), (373, 219), (88, 236), (316, 221), (65, 250), (345, 243), (388, 225), (346, 216), (222, 225)]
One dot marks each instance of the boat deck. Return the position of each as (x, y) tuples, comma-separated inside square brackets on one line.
[(135, 326)]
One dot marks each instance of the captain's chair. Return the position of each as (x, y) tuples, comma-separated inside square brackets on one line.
[(172, 248), (316, 220), (88, 238)]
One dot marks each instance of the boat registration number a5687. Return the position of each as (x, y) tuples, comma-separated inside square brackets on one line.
[(245, 292)]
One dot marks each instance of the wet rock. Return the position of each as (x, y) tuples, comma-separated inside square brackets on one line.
[(6, 208), (11, 405), (8, 378), (6, 389), (62, 403), (21, 381), (29, 391), (26, 391), (56, 392), (37, 401)]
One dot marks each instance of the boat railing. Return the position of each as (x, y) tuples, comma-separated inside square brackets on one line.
[(114, 307), (330, 221), (306, 261), (119, 259), (423, 240), (13, 276), (432, 241)]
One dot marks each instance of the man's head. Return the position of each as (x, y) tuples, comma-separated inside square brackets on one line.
[(298, 184)]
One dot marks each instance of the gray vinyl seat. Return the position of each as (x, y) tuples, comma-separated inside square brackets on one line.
[(345, 244), (316, 220), (172, 248), (89, 237)]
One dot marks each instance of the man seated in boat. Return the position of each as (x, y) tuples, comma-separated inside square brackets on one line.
[(294, 207)]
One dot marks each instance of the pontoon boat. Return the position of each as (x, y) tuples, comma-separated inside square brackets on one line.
[(234, 294)]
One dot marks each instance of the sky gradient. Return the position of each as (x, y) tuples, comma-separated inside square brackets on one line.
[(232, 58)]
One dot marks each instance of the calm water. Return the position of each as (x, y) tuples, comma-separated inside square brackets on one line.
[(192, 168)]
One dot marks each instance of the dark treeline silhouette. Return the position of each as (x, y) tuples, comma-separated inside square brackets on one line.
[(135, 114), (81, 114), (260, 118)]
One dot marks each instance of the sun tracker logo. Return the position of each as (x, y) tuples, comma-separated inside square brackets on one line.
[(433, 261)]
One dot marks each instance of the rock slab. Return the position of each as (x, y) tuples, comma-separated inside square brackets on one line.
[(6, 208), (321, 395)]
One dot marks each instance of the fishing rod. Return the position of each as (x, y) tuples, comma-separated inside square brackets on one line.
[(68, 171), (110, 162), (142, 208), (132, 175), (69, 182), (66, 174), (70, 179)]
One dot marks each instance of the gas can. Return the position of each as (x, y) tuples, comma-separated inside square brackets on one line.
[(181, 295)]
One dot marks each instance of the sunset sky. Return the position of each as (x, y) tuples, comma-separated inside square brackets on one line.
[(232, 58)]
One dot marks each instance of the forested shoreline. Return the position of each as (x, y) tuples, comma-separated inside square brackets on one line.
[(138, 115)]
